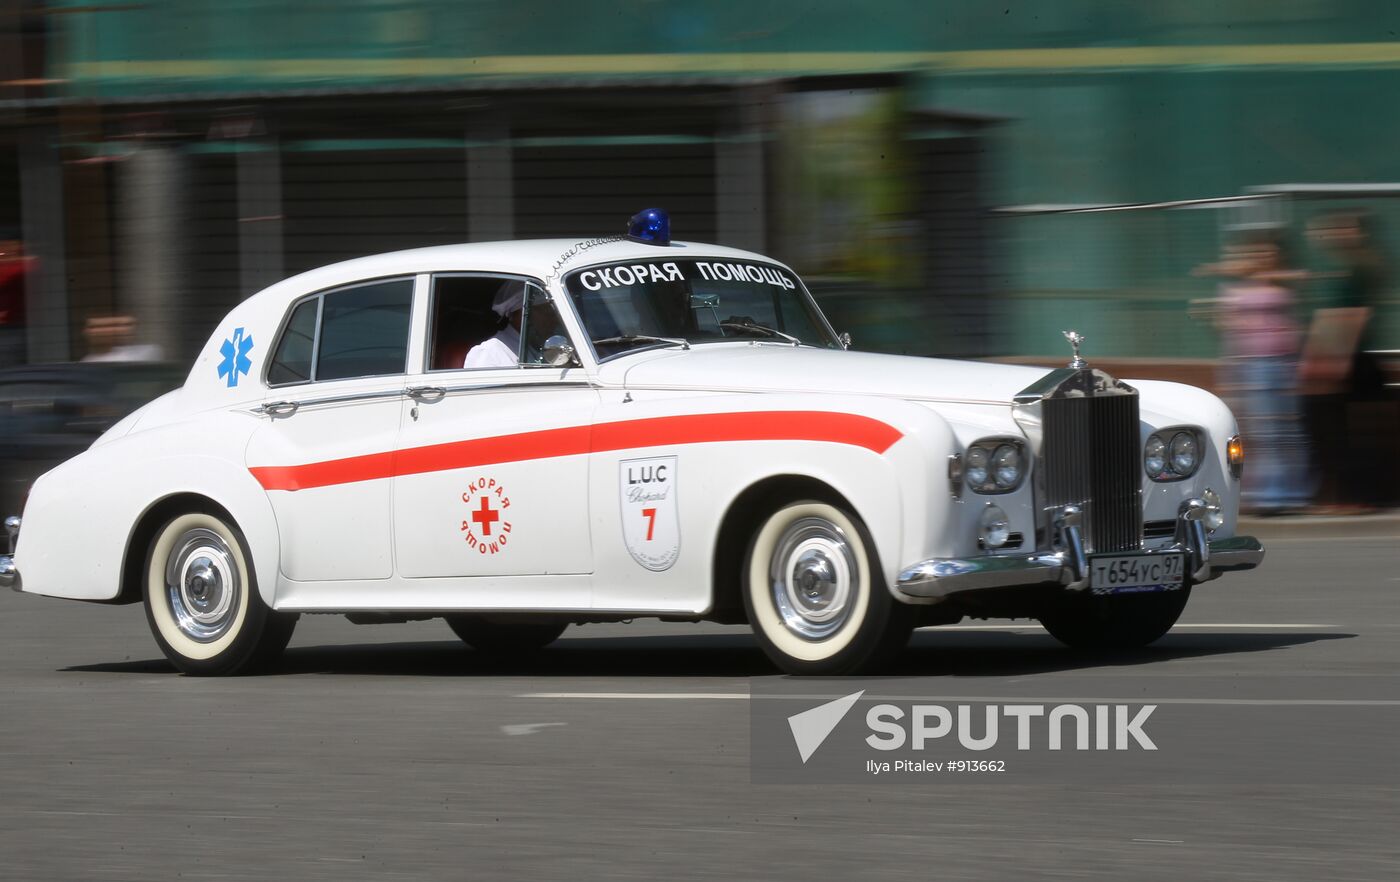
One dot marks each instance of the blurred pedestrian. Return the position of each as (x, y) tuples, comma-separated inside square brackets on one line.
[(1261, 335), (17, 271), (1338, 373), (113, 338)]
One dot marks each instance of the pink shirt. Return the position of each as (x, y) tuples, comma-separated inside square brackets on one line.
[(1258, 320)]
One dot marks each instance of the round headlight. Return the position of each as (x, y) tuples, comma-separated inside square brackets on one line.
[(1184, 455), (1215, 514), (993, 527), (1006, 466), (1154, 458), (975, 467)]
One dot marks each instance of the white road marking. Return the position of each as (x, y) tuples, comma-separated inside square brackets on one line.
[(980, 699), (1036, 626), (1164, 841), (527, 728), (1359, 537), (723, 696)]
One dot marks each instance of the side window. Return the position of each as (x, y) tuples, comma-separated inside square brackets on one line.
[(477, 322), (364, 331), (541, 322), (291, 363), (352, 332)]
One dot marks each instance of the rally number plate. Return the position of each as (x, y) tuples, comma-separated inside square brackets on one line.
[(1135, 573)]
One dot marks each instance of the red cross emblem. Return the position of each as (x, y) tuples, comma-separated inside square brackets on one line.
[(485, 516)]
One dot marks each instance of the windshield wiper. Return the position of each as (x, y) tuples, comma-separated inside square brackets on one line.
[(645, 338), (755, 326)]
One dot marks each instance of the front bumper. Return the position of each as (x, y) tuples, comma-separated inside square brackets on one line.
[(1067, 565)]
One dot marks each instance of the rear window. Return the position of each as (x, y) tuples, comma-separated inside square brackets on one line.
[(292, 361), (350, 332)]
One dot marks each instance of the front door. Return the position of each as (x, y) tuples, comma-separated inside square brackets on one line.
[(493, 461)]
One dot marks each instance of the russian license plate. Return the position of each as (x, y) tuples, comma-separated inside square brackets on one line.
[(1134, 573)]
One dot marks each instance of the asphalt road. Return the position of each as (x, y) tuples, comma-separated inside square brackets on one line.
[(392, 752)]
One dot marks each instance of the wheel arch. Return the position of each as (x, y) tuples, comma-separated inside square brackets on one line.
[(143, 531), (741, 518)]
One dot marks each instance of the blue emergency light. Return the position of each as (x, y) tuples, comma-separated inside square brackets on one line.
[(650, 225)]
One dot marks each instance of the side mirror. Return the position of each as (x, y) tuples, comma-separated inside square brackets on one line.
[(845, 339), (559, 352)]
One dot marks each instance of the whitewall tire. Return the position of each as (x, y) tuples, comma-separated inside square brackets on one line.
[(202, 599), (815, 595)]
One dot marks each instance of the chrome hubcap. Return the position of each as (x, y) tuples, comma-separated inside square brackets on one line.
[(814, 578), (202, 585)]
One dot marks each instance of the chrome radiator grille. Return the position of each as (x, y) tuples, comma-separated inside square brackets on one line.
[(1091, 459)]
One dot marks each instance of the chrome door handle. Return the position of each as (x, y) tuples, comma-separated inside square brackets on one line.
[(280, 408), (425, 393)]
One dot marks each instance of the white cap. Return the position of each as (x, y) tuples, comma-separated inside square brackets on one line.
[(510, 298)]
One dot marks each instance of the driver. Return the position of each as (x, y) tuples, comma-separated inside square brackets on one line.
[(502, 350)]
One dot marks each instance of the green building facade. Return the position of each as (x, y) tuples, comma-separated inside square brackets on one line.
[(1020, 104)]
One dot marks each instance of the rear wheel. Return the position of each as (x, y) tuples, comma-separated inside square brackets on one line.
[(202, 599), (505, 638), (815, 596), (1124, 621)]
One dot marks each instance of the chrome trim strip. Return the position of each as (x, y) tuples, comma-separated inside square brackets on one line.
[(12, 524), (270, 406), (279, 407), (522, 386)]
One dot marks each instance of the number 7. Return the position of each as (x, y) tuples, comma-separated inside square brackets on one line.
[(650, 515)]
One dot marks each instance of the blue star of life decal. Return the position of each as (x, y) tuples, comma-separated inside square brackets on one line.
[(236, 361)]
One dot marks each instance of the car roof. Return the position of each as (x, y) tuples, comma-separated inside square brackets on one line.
[(541, 258)]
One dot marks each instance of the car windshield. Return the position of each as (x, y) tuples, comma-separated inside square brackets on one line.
[(645, 303)]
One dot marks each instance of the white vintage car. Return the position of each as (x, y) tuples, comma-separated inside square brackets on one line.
[(674, 430)]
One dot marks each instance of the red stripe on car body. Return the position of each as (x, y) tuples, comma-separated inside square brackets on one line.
[(779, 425)]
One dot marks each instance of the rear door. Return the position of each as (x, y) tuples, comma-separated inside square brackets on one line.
[(324, 452)]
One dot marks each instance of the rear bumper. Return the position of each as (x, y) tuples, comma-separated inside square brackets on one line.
[(9, 573), (1066, 567)]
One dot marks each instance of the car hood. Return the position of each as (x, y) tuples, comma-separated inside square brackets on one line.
[(767, 367)]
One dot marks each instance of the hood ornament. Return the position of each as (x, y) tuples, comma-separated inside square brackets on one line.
[(1075, 338)]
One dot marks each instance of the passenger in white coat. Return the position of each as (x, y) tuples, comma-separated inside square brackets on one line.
[(502, 350)]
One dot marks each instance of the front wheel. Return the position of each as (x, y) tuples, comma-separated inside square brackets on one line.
[(202, 599), (815, 595), (1127, 621)]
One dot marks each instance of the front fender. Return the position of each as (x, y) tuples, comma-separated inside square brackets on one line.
[(900, 493)]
